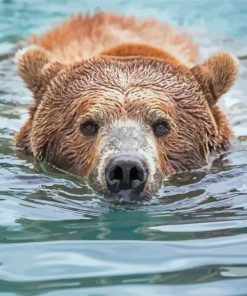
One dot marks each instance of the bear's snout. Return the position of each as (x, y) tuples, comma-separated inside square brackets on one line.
[(127, 174)]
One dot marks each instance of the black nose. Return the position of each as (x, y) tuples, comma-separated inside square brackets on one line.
[(126, 172)]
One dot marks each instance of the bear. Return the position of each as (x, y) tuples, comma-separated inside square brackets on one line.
[(123, 103)]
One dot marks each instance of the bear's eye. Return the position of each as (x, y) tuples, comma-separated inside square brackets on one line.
[(89, 128), (161, 128)]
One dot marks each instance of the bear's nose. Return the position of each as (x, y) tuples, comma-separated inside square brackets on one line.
[(126, 172)]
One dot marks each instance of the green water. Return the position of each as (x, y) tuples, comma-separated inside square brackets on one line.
[(58, 238)]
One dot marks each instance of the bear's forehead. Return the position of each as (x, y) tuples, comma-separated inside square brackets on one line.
[(127, 79), (125, 73)]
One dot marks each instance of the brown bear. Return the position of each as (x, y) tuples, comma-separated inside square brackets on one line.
[(123, 102)]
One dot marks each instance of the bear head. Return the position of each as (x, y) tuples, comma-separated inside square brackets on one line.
[(124, 123)]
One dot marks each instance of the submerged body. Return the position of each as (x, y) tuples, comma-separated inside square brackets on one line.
[(123, 102)]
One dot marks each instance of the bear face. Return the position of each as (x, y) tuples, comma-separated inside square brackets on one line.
[(125, 123)]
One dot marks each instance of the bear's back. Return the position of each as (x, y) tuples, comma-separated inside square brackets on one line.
[(86, 36)]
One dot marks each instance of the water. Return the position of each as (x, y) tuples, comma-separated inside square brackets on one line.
[(58, 238)]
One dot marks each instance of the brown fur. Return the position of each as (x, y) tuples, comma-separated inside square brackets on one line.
[(85, 36), (141, 82)]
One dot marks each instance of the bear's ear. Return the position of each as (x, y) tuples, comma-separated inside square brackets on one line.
[(216, 75), (36, 68)]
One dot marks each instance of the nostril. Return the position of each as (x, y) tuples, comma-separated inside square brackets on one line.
[(136, 174), (117, 174), (126, 173)]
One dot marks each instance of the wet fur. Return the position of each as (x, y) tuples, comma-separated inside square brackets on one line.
[(138, 82)]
